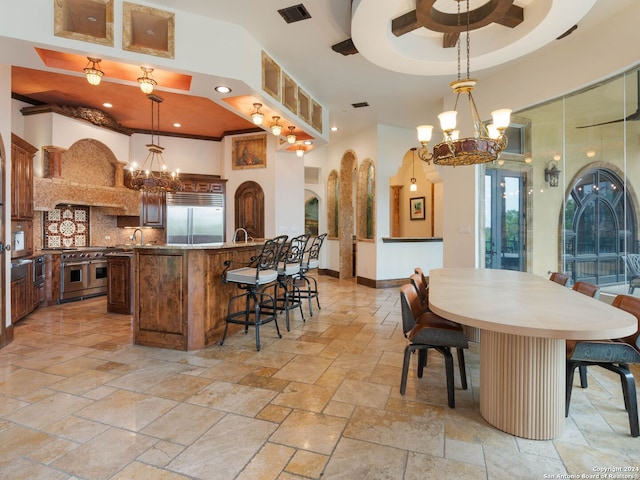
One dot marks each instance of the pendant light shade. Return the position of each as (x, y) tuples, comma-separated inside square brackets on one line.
[(257, 115), (276, 128), (291, 136), (93, 72), (146, 81)]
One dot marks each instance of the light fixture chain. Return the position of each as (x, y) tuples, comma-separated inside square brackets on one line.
[(468, 43), (458, 43)]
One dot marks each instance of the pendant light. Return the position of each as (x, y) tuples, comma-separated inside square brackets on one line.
[(276, 128), (257, 115), (291, 136), (146, 82), (93, 72)]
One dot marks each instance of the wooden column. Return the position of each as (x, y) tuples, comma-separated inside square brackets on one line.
[(395, 211), (54, 158)]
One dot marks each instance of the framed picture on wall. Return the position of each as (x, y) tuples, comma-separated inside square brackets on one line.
[(417, 206), (249, 152)]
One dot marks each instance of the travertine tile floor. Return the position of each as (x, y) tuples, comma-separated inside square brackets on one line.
[(80, 401)]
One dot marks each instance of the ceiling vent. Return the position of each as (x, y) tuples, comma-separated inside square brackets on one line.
[(294, 13), (360, 104)]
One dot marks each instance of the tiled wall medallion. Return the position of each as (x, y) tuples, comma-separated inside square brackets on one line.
[(66, 227)]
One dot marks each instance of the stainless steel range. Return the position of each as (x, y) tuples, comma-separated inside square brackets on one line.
[(83, 272)]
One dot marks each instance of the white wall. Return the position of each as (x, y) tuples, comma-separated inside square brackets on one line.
[(190, 156), (5, 133)]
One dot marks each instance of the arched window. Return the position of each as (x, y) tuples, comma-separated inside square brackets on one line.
[(332, 204), (366, 200), (599, 227)]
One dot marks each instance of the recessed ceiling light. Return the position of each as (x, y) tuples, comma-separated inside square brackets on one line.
[(177, 125), (222, 89), (308, 142), (334, 129), (91, 18), (107, 105)]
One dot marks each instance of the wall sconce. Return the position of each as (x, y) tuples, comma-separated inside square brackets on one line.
[(291, 137), (414, 186), (552, 174), (257, 115), (93, 72), (146, 82), (276, 128)]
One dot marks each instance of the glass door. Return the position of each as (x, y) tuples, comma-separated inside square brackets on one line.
[(505, 224)]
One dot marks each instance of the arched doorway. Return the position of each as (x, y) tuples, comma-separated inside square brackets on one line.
[(249, 214), (599, 226)]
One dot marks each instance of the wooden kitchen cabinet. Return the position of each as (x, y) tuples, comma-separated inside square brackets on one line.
[(19, 299), (21, 178), (152, 209), (119, 283)]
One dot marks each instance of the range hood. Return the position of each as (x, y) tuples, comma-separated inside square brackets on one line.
[(49, 192)]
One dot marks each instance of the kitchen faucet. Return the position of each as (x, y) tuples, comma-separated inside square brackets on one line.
[(246, 235), (133, 236)]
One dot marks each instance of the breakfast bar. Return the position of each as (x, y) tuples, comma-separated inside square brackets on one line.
[(524, 321), (180, 300)]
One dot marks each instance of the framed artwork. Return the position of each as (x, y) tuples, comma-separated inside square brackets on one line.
[(270, 76), (249, 152), (417, 208), (148, 30)]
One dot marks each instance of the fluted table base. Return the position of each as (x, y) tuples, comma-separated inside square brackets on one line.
[(522, 387)]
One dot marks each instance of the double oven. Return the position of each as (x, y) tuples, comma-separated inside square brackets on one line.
[(83, 273)]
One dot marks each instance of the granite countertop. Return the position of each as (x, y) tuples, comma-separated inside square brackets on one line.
[(199, 246)]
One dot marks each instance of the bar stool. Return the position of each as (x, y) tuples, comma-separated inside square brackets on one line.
[(261, 271), (285, 290), (311, 261)]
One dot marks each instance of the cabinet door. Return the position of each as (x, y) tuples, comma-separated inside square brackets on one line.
[(21, 178), (153, 209), (119, 297), (19, 299)]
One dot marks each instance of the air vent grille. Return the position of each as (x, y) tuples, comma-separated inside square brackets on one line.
[(360, 104), (294, 13)]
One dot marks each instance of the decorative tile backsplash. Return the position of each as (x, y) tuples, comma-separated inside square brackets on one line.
[(66, 227)]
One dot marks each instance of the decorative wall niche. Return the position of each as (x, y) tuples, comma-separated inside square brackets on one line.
[(304, 105), (316, 116), (289, 93), (84, 20), (148, 30), (270, 76)]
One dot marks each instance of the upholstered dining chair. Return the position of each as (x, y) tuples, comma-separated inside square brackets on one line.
[(614, 355), (423, 277), (423, 291), (558, 277), (311, 261), (590, 290), (428, 330), (632, 261), (254, 307)]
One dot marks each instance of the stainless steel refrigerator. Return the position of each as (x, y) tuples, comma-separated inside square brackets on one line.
[(194, 218)]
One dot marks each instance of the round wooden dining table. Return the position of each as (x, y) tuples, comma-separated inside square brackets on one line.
[(524, 320)]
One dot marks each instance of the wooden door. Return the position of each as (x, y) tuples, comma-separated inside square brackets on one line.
[(249, 214), (3, 255)]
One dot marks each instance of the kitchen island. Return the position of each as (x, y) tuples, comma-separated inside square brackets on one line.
[(180, 301)]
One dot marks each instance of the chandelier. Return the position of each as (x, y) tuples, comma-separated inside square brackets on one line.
[(153, 175), (487, 142)]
